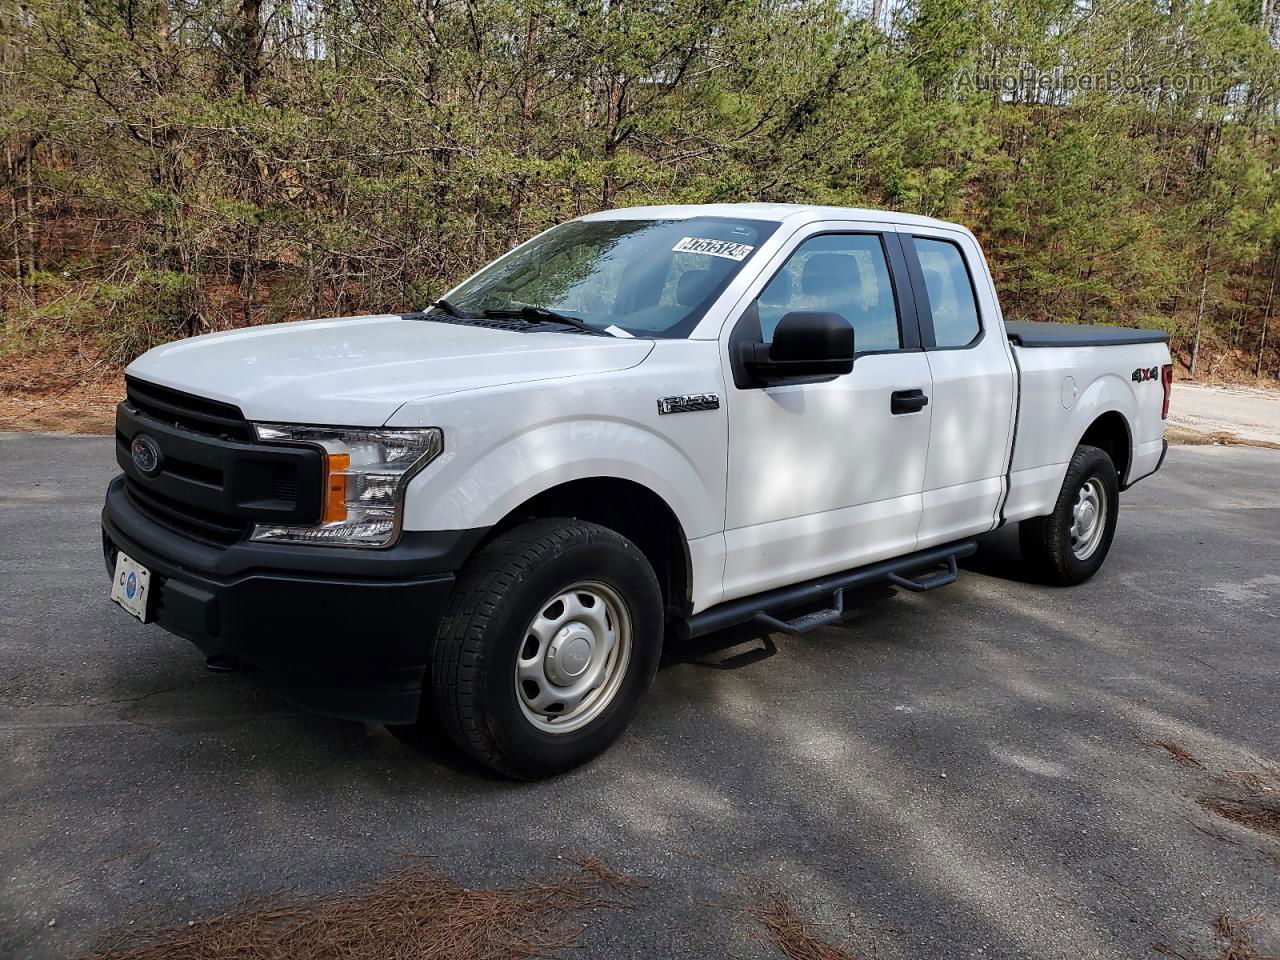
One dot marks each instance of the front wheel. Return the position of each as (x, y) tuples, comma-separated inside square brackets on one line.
[(552, 635), (1070, 544)]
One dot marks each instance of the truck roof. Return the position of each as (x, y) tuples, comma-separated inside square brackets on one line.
[(775, 212)]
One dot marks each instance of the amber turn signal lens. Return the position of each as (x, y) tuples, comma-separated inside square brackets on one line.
[(364, 475), (335, 506)]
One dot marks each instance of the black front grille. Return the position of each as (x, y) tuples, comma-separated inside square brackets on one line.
[(189, 412), (284, 486), (214, 481), (204, 525)]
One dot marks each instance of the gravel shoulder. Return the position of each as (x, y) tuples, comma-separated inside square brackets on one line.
[(1204, 413)]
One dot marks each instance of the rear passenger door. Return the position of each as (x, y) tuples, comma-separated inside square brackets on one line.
[(826, 476), (971, 366)]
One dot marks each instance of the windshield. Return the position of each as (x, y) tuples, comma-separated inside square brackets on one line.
[(647, 278)]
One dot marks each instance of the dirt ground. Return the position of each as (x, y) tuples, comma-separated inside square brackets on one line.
[(79, 408), (1225, 414), (61, 390)]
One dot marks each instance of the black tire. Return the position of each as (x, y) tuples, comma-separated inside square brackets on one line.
[(1047, 541), (498, 595)]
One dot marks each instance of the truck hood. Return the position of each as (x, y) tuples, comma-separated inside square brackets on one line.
[(357, 371)]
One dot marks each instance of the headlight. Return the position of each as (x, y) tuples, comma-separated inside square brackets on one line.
[(365, 476)]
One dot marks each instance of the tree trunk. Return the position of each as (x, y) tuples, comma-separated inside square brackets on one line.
[(249, 42), (530, 85), (528, 98), (15, 215), (32, 261), (1266, 310), (1204, 290), (615, 112)]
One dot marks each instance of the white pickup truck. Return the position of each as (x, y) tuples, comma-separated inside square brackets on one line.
[(638, 426)]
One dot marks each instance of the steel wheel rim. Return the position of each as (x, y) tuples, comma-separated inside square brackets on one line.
[(573, 657), (1088, 518)]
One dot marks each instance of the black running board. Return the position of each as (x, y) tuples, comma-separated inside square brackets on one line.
[(807, 621), (932, 581), (896, 571)]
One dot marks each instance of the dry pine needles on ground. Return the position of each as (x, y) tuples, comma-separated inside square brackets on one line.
[(793, 935), (414, 913), (1234, 941), (1180, 754), (1257, 813), (1251, 798)]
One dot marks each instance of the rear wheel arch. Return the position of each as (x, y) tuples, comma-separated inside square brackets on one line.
[(1110, 432), (1070, 544)]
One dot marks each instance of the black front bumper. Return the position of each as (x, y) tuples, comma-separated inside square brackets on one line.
[(346, 632)]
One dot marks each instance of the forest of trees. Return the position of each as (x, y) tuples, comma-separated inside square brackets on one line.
[(177, 166)]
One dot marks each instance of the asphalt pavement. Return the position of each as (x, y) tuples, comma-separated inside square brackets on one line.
[(966, 773)]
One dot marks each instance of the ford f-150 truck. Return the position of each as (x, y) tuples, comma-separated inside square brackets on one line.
[(638, 426)]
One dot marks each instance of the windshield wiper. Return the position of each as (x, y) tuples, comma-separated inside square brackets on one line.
[(542, 313), (447, 307)]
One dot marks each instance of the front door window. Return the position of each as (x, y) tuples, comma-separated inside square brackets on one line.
[(843, 273)]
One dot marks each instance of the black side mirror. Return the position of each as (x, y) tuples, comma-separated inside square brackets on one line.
[(808, 346)]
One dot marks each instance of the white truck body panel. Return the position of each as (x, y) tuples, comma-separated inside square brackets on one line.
[(974, 399), (358, 371), (776, 486), (810, 489), (1063, 391), (506, 444), (796, 509)]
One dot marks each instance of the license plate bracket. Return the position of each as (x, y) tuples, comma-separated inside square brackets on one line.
[(131, 586)]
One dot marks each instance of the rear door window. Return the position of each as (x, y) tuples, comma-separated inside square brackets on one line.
[(951, 298)]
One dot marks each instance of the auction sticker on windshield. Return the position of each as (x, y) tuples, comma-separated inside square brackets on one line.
[(713, 248)]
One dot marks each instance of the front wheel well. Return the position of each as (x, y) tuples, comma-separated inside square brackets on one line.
[(1110, 433), (631, 509)]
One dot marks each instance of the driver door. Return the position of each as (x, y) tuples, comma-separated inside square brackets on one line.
[(827, 476)]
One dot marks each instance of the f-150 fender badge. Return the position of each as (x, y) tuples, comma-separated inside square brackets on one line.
[(1146, 373), (689, 403)]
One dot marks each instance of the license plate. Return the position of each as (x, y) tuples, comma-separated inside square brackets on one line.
[(131, 586)]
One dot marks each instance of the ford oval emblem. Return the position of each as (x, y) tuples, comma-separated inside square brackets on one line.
[(146, 455)]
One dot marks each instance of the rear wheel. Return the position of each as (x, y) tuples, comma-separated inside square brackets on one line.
[(551, 637), (1070, 545)]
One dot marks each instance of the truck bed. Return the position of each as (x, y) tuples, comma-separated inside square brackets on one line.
[(1027, 334)]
